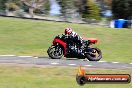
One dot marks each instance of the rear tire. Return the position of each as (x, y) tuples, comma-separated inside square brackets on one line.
[(93, 56), (55, 52)]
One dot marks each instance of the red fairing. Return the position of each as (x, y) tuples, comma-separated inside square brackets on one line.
[(92, 40), (61, 43)]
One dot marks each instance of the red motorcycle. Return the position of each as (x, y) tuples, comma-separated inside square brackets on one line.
[(62, 45)]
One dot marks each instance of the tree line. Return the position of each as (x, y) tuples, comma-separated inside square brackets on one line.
[(122, 9), (85, 8), (89, 9)]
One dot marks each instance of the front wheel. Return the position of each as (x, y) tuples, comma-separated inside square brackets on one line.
[(55, 52), (95, 54)]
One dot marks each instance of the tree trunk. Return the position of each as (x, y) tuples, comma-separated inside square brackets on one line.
[(131, 22), (31, 12)]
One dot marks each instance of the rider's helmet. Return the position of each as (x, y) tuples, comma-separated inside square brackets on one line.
[(68, 31)]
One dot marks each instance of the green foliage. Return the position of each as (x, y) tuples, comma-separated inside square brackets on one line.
[(87, 8), (2, 4), (67, 7), (92, 11), (24, 7), (17, 2), (80, 5), (12, 6), (122, 9), (46, 6)]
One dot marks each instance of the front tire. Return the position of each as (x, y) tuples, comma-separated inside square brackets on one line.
[(94, 56), (55, 52)]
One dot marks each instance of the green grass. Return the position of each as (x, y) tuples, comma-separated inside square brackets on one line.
[(28, 37), (50, 77)]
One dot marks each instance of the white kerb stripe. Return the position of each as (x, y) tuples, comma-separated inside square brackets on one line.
[(87, 65), (72, 64), (25, 56), (35, 57), (115, 62), (8, 55), (54, 63)]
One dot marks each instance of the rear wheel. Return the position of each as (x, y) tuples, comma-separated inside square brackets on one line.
[(55, 52), (94, 55)]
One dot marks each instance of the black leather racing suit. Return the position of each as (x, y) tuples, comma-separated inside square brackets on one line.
[(75, 42)]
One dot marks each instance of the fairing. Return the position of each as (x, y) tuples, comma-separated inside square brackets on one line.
[(63, 44), (91, 40)]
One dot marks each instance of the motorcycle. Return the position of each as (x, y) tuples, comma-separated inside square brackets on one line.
[(62, 45)]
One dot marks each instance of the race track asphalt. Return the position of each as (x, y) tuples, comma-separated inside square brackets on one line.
[(45, 61)]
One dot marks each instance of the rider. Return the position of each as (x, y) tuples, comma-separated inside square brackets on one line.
[(74, 36)]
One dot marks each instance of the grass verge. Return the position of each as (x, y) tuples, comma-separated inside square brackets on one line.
[(49, 77), (29, 37)]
